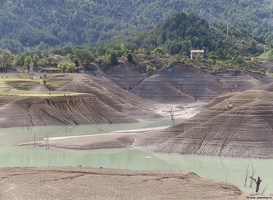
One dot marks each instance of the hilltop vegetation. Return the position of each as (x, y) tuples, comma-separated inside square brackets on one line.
[(178, 34), (45, 23)]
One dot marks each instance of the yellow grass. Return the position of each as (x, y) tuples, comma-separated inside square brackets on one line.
[(44, 94), (14, 79), (3, 84)]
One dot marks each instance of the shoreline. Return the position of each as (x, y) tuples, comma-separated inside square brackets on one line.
[(115, 139), (119, 138)]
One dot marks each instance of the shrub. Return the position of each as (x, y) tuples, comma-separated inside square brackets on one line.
[(130, 58), (150, 69)]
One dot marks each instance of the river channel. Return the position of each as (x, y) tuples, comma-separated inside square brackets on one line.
[(232, 170)]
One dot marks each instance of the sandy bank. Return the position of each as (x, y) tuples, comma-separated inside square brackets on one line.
[(90, 183), (119, 139)]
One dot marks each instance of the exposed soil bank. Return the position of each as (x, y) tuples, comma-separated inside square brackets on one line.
[(90, 183), (119, 139), (122, 94), (234, 125), (73, 110)]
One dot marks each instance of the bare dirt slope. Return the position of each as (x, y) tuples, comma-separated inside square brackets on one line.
[(104, 102), (111, 94), (90, 183), (179, 83), (72, 110), (185, 83), (123, 93), (234, 124), (157, 88)]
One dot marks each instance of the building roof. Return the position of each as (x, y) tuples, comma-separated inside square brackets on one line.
[(197, 51)]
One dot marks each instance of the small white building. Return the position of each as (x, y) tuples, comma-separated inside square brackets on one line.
[(194, 53)]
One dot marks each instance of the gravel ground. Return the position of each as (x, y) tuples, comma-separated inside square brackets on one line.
[(92, 183)]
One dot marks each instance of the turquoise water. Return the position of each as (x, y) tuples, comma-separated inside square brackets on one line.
[(230, 170)]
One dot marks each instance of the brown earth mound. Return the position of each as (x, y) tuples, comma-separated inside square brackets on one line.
[(108, 184), (59, 111), (239, 82), (111, 94), (158, 89), (234, 124), (126, 75), (185, 83), (180, 84), (107, 103)]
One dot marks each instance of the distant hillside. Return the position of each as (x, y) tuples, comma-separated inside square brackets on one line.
[(43, 23), (180, 33)]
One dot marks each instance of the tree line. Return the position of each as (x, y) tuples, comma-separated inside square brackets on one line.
[(178, 34), (42, 24)]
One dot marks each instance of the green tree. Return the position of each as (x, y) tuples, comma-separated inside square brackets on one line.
[(84, 56), (43, 62), (150, 69), (130, 58), (198, 57), (20, 59), (253, 48), (35, 60), (71, 67), (27, 62), (6, 59), (113, 59), (240, 60), (62, 67), (67, 66)]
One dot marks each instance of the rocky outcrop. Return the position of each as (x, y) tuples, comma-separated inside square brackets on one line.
[(234, 124)]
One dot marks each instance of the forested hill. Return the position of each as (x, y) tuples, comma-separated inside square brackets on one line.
[(43, 23)]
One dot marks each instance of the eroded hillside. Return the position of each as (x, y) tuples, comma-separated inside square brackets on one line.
[(122, 94), (77, 99), (234, 124)]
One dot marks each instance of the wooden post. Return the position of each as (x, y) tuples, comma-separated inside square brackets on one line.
[(34, 139), (258, 182), (172, 115), (47, 142)]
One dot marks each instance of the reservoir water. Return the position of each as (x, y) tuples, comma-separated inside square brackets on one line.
[(232, 170)]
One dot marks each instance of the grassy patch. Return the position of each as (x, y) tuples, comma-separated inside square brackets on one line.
[(13, 79), (43, 94), (22, 86), (23, 76), (55, 85), (3, 84)]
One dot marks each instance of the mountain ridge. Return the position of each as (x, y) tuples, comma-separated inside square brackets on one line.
[(41, 23)]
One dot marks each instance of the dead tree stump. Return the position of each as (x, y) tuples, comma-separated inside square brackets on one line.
[(258, 182)]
